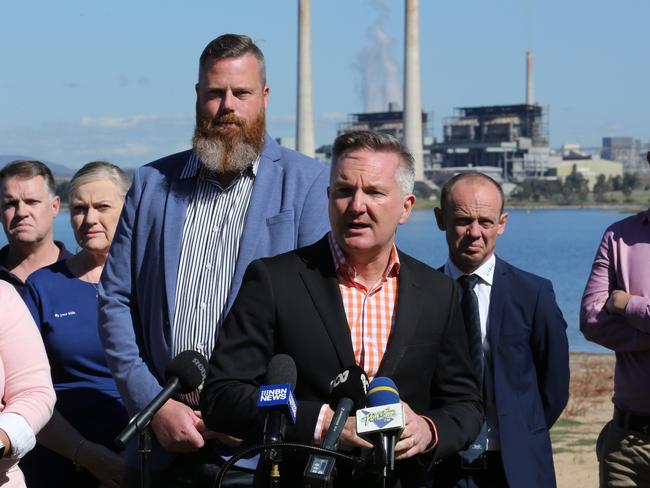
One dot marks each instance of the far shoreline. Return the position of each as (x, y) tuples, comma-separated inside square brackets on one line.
[(422, 204)]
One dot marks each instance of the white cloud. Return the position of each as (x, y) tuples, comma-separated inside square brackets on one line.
[(287, 118), (333, 117), (118, 122), (129, 149)]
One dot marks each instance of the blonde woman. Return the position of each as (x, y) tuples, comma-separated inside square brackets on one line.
[(76, 447)]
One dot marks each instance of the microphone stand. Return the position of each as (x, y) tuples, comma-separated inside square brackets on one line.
[(144, 448), (386, 458), (275, 422)]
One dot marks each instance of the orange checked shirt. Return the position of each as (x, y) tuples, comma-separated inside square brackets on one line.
[(370, 314), (371, 317)]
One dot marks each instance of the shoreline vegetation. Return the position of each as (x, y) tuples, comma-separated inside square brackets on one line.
[(627, 193), (638, 204), (589, 408)]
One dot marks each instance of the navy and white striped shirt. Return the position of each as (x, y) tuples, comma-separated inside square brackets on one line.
[(213, 226)]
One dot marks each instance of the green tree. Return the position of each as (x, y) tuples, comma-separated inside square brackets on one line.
[(629, 183), (575, 188), (600, 188)]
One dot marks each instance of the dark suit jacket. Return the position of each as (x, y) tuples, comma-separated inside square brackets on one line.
[(291, 304), (530, 361), (530, 368)]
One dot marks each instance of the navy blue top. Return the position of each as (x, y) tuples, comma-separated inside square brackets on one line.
[(65, 310)]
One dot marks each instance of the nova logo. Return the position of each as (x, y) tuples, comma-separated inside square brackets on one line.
[(380, 418), (273, 395)]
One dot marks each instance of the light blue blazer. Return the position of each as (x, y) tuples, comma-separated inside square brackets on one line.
[(288, 209)]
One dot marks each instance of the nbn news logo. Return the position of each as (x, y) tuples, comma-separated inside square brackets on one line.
[(278, 397)]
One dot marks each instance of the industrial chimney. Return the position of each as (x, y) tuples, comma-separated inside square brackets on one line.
[(304, 116), (530, 98), (412, 97)]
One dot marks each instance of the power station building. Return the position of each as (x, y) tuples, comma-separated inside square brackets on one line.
[(511, 137), (390, 122)]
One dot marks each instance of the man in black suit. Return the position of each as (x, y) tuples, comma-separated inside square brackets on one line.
[(352, 298)]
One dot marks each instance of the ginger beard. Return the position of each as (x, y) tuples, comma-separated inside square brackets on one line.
[(224, 149)]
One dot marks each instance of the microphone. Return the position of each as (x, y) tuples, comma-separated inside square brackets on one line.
[(382, 421), (184, 374), (277, 398), (347, 394)]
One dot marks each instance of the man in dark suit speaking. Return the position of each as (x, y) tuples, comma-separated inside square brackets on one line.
[(518, 345), (352, 298)]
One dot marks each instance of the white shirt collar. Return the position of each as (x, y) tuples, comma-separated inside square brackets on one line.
[(485, 271)]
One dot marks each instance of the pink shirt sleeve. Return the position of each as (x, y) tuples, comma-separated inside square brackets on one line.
[(620, 333), (24, 369)]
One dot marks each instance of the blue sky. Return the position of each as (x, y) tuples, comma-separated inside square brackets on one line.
[(85, 80)]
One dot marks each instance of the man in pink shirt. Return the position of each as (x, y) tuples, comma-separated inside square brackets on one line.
[(615, 313)]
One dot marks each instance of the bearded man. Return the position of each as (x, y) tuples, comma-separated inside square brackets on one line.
[(192, 222)]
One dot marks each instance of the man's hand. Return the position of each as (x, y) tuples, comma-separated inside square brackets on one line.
[(617, 302), (176, 427), (415, 437), (349, 436)]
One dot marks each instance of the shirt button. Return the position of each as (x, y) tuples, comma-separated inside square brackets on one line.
[(208, 265), (200, 347), (203, 305), (215, 229)]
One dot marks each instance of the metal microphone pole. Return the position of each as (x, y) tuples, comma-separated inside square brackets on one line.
[(144, 448)]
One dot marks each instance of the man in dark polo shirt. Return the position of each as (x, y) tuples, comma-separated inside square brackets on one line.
[(29, 206)]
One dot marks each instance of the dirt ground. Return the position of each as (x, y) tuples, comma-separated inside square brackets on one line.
[(589, 408)]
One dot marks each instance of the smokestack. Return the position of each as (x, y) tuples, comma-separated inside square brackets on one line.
[(412, 97), (530, 99), (304, 116)]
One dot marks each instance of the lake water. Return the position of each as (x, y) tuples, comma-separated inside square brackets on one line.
[(558, 244)]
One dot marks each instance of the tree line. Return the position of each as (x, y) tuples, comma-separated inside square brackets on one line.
[(574, 190)]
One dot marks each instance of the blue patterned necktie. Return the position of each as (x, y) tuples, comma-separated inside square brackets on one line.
[(469, 306)]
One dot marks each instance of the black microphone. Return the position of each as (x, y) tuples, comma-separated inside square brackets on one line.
[(184, 374), (277, 400), (276, 397), (347, 394)]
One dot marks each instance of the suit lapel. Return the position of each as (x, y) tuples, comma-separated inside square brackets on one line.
[(178, 199), (320, 280), (497, 301), (267, 184), (409, 307)]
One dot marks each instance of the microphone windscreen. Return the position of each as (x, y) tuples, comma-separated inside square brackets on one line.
[(190, 368), (382, 391), (282, 369), (351, 383)]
